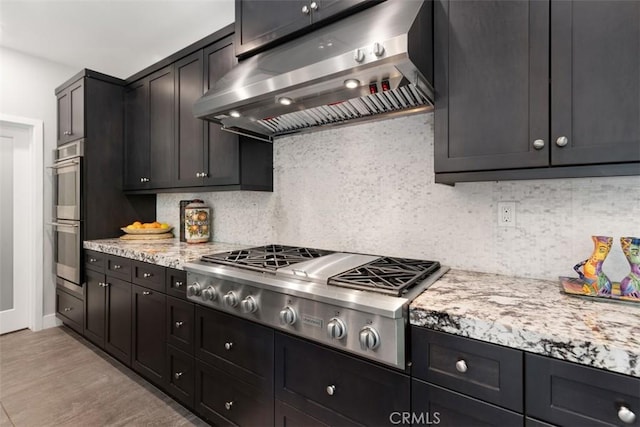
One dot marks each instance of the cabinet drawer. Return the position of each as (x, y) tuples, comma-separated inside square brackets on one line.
[(95, 261), (70, 310), (435, 405), (118, 267), (176, 283), (240, 347), (180, 324), (323, 383), (566, 393), (224, 400), (180, 376), (485, 371), (148, 275)]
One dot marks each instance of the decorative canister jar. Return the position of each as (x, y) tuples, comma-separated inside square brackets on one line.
[(197, 222)]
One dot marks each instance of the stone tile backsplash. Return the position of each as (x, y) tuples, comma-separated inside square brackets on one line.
[(370, 188)]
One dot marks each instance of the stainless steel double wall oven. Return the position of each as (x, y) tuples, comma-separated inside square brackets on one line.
[(68, 216)]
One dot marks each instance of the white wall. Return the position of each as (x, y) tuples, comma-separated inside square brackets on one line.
[(27, 85), (370, 188)]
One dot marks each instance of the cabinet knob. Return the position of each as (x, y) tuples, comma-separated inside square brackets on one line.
[(461, 366), (67, 309), (92, 260), (562, 141), (331, 389), (146, 293), (179, 324), (306, 10), (228, 405), (117, 266), (314, 5), (198, 175), (103, 284), (228, 345), (179, 284), (147, 275), (177, 375), (626, 415), (538, 144)]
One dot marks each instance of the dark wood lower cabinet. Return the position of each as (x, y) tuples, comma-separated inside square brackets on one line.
[(118, 310), (149, 326), (70, 310), (180, 376), (287, 416), (431, 404), (336, 388), (224, 399), (95, 306), (180, 324)]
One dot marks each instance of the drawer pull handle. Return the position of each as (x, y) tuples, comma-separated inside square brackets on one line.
[(461, 366), (147, 275), (179, 324), (228, 345), (179, 284), (69, 309), (117, 267), (146, 293), (177, 375), (92, 260), (228, 405), (331, 389), (626, 415)]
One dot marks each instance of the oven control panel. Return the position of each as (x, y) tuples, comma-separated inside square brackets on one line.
[(368, 335)]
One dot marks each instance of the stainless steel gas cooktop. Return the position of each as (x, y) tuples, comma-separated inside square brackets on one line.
[(357, 303)]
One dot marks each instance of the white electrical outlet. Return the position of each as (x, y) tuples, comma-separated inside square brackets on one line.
[(507, 214)]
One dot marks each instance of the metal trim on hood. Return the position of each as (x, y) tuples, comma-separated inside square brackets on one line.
[(387, 49)]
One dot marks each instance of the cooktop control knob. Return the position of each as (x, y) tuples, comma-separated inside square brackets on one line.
[(194, 289), (231, 299), (209, 293), (369, 338), (336, 328), (288, 316), (248, 305)]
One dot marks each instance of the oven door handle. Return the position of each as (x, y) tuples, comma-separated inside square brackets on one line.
[(59, 224), (70, 162)]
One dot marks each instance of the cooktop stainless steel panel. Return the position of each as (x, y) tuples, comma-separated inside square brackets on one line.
[(320, 269)]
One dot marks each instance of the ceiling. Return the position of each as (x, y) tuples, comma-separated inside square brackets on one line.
[(116, 37)]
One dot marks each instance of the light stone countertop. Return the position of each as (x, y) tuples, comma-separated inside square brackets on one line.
[(168, 253), (533, 315)]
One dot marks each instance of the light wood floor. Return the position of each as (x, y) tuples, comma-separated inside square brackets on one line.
[(56, 378)]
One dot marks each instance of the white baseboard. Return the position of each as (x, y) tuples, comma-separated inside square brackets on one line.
[(50, 321)]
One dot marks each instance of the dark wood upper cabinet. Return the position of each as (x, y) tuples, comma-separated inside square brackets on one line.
[(498, 117), (71, 113), (149, 152), (260, 23), (595, 88), (491, 80)]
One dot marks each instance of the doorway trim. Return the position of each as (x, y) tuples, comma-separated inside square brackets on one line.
[(36, 148)]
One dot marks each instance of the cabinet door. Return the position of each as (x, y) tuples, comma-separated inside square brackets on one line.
[(76, 114), (260, 22), (328, 8), (189, 130), (118, 308), (95, 302), (491, 81), (161, 137), (431, 404), (221, 151), (180, 376), (136, 135), (64, 116), (180, 324), (595, 92), (149, 346)]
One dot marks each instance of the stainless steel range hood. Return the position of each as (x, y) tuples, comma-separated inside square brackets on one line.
[(386, 51)]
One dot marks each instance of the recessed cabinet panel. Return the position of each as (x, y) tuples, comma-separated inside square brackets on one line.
[(491, 80), (118, 309), (64, 116), (136, 157), (161, 147), (148, 356), (95, 300), (595, 60), (76, 128)]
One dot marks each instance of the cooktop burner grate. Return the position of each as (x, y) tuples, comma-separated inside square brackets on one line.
[(391, 276), (265, 258)]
